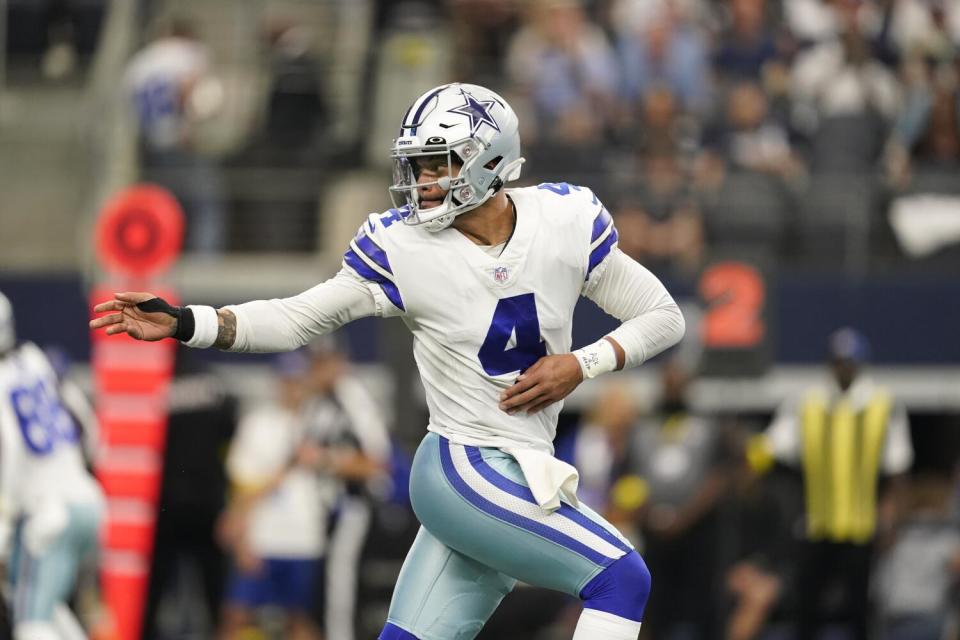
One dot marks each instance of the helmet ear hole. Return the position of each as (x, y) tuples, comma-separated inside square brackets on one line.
[(493, 163)]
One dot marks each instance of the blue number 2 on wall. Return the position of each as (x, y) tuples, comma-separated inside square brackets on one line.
[(516, 315)]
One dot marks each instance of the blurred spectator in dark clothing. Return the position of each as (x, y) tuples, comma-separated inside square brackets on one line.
[(765, 508), (747, 43), (664, 48), (919, 575), (482, 31), (173, 92), (659, 218), (750, 140), (296, 113), (64, 33), (845, 438), (678, 458), (563, 65), (289, 147), (201, 422)]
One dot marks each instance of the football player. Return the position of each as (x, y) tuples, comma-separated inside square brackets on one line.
[(50, 505), (486, 278)]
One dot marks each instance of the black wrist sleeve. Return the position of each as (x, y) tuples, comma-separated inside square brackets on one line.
[(184, 316)]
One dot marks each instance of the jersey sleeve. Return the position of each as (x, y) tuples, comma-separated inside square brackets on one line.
[(367, 259), (601, 233)]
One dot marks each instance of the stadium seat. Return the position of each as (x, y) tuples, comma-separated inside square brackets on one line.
[(751, 209)]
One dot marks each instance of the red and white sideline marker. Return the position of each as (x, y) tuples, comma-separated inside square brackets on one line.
[(138, 236)]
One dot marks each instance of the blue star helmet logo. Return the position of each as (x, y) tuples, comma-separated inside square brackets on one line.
[(477, 110)]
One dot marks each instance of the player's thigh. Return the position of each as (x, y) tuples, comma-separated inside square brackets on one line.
[(443, 595), (477, 502)]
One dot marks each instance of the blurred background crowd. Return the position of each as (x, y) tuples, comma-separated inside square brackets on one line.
[(788, 168)]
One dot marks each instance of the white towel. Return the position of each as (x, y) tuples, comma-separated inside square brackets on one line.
[(549, 479), (925, 223)]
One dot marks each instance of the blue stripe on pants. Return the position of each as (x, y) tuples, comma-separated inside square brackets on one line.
[(523, 492), (510, 517)]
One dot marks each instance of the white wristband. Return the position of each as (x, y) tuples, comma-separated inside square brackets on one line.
[(205, 327), (599, 357)]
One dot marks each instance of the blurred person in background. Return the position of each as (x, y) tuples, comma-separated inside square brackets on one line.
[(298, 467), (672, 481), (750, 140), (483, 31), (746, 46), (659, 216), (599, 444), (926, 134), (173, 92), (188, 567), (276, 523), (761, 565), (924, 25), (346, 440), (297, 114), (562, 64), (659, 44), (290, 141), (486, 278), (76, 402), (844, 98), (50, 504), (62, 35), (848, 440), (664, 128), (918, 576)]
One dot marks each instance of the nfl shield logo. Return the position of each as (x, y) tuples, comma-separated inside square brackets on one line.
[(500, 274)]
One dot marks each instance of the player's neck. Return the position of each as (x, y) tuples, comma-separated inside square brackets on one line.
[(489, 224)]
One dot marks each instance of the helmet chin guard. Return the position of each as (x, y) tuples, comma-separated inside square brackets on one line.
[(476, 130)]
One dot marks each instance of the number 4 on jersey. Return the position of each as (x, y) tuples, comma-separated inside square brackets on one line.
[(516, 315)]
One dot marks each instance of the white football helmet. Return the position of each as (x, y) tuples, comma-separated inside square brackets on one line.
[(465, 125), (8, 336)]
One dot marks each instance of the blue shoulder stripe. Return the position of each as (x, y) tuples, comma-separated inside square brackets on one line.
[(365, 271), (602, 251), (600, 223), (374, 252)]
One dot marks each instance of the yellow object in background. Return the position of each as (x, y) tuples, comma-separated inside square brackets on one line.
[(630, 493)]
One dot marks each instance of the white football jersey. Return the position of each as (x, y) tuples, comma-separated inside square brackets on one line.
[(38, 437), (479, 320)]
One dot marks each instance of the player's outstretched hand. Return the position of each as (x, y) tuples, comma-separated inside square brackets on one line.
[(139, 323), (550, 379)]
